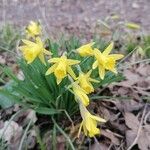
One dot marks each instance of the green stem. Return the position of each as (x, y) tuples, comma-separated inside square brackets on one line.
[(64, 134)]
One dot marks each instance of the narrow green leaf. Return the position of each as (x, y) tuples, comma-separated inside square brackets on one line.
[(46, 111)]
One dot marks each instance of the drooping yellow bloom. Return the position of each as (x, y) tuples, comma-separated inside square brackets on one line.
[(89, 122), (86, 50), (85, 82), (61, 67), (80, 94), (104, 61), (31, 50), (33, 29)]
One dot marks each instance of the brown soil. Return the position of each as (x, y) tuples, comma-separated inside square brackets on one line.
[(74, 16)]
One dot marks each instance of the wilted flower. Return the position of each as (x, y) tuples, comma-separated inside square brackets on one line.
[(85, 82), (86, 50), (31, 50), (33, 29), (104, 61), (89, 122), (61, 67)]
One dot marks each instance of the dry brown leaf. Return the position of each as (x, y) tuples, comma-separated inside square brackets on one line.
[(144, 138), (98, 146), (11, 131), (130, 136), (2, 60), (131, 121), (131, 76), (143, 70), (110, 135), (128, 105)]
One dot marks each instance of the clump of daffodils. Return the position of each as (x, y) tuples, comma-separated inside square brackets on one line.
[(62, 67)]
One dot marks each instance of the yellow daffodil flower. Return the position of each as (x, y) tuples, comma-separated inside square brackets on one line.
[(80, 94), (104, 61), (31, 50), (61, 67), (84, 82), (89, 122), (86, 50), (33, 29)]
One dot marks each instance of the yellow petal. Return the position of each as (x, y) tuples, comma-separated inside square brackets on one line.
[(94, 132), (85, 99), (110, 64), (58, 80), (102, 72), (114, 70), (29, 43), (95, 64), (89, 73), (30, 55), (93, 80), (108, 49), (86, 50), (98, 118), (116, 56), (47, 52), (33, 29), (70, 71), (23, 48), (81, 96), (51, 69), (54, 60), (72, 62), (98, 54), (41, 57), (61, 70), (39, 41), (87, 86)]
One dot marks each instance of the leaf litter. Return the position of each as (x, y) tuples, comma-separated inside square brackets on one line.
[(125, 127), (128, 119)]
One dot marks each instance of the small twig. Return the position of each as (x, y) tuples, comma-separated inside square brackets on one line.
[(128, 55), (134, 63), (121, 145), (110, 146), (139, 129), (146, 116)]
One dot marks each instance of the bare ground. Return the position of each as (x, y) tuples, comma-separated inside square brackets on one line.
[(74, 16)]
